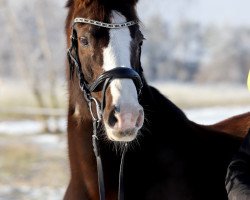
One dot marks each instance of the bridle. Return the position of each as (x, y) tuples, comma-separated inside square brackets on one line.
[(101, 84)]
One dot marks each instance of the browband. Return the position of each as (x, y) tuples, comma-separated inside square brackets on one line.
[(105, 25)]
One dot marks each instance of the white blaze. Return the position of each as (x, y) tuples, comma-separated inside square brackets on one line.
[(117, 54)]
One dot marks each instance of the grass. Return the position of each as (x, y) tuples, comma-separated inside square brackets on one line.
[(19, 95)]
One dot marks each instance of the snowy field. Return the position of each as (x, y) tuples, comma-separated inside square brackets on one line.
[(211, 115), (34, 166)]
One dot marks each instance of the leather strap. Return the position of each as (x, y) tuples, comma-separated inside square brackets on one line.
[(121, 179), (101, 184), (116, 73), (96, 149)]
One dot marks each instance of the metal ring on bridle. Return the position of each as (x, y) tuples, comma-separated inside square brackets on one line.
[(105, 25)]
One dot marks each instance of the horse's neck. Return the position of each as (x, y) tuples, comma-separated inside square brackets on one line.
[(82, 159), (157, 104)]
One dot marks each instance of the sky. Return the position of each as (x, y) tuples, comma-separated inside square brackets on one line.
[(220, 12)]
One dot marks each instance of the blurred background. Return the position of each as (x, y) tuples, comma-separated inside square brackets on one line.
[(196, 52)]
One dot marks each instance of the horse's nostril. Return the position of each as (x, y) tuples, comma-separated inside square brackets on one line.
[(112, 119)]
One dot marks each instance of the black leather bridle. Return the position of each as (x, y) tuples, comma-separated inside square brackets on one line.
[(101, 84)]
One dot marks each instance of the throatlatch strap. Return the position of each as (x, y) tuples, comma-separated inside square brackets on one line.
[(100, 178)]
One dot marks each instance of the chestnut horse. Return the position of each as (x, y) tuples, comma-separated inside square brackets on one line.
[(237, 125), (168, 156)]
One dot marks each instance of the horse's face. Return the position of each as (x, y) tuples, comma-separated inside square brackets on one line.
[(101, 49)]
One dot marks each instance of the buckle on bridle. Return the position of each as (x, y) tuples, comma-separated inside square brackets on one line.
[(98, 115)]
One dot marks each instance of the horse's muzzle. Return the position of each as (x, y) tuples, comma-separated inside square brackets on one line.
[(123, 124)]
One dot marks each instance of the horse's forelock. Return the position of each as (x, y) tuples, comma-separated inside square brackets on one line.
[(119, 2), (106, 2), (79, 3)]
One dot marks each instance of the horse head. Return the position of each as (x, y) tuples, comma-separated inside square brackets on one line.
[(107, 37)]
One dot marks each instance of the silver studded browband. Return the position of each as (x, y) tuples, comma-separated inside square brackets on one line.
[(105, 25)]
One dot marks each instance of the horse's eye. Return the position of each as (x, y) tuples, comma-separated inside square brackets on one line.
[(84, 41)]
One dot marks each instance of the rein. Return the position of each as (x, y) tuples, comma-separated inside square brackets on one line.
[(101, 84)]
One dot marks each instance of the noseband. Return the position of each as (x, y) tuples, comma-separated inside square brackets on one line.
[(101, 84)]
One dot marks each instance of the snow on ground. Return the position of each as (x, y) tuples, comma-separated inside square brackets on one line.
[(29, 127), (207, 115), (20, 127), (212, 115), (49, 141), (33, 167), (30, 193)]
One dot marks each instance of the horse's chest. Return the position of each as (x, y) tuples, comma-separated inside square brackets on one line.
[(159, 174)]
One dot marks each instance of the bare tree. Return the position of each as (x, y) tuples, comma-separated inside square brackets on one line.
[(30, 76), (46, 51)]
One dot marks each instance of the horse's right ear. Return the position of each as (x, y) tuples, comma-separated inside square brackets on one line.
[(131, 2)]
